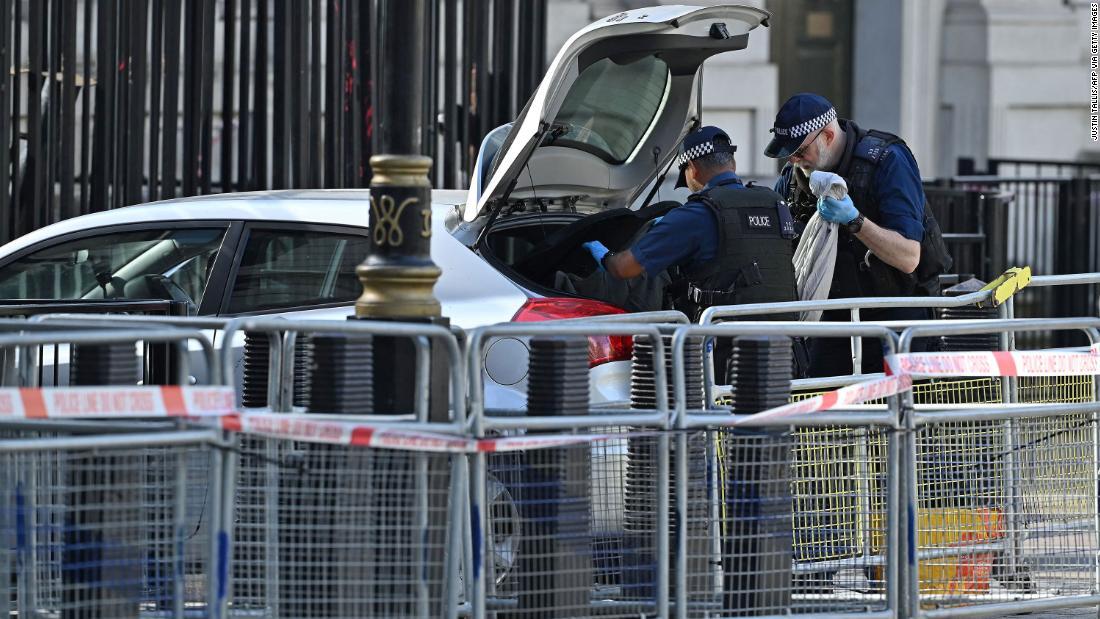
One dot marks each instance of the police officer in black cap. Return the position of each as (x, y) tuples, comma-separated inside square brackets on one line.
[(884, 227), (730, 243)]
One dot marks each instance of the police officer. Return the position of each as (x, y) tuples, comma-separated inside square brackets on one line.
[(882, 220), (730, 243)]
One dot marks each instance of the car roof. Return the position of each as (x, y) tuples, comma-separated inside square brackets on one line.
[(315, 206)]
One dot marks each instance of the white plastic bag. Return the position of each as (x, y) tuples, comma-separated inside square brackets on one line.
[(815, 257)]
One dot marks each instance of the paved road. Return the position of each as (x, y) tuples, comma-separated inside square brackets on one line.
[(1089, 611)]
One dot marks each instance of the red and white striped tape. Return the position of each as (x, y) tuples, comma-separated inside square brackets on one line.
[(120, 402), (997, 363), (214, 401), (351, 433), (858, 393)]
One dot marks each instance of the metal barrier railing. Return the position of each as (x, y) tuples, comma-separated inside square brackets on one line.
[(867, 428), (111, 524), (641, 587), (988, 505), (659, 509), (1006, 310)]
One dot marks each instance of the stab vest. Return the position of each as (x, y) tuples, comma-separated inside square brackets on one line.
[(859, 273), (755, 249)]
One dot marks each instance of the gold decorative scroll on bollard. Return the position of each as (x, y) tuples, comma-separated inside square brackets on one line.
[(398, 275)]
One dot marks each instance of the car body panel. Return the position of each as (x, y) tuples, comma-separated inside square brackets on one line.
[(472, 293), (493, 298)]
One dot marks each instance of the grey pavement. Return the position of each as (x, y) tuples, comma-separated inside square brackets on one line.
[(1087, 611)]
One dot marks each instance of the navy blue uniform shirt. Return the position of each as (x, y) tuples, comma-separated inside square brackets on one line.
[(686, 236), (900, 193)]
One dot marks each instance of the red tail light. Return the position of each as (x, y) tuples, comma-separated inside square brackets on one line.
[(601, 348)]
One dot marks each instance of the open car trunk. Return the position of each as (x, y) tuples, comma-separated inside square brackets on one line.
[(545, 252), (604, 123)]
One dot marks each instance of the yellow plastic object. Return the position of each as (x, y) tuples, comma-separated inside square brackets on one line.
[(961, 572), (1009, 283)]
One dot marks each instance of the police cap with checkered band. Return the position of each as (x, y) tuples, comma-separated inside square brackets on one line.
[(800, 116), (696, 144)]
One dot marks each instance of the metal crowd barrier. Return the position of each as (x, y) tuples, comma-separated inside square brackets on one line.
[(119, 518), (866, 502), (330, 524), (662, 473), (621, 532), (757, 311), (764, 462), (1004, 494)]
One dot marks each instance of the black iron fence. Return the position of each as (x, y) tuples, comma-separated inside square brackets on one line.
[(998, 166), (1049, 224), (109, 103)]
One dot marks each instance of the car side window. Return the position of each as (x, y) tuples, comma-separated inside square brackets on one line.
[(138, 264), (286, 268)]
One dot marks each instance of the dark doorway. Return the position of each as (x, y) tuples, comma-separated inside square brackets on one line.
[(811, 42)]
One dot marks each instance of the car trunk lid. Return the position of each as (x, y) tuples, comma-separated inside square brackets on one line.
[(609, 113)]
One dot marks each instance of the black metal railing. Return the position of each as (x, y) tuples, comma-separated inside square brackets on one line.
[(108, 103), (1049, 224), (972, 222), (1008, 167)]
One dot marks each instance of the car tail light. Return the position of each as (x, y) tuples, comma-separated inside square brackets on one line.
[(601, 348)]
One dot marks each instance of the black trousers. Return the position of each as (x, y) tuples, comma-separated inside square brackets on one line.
[(832, 356)]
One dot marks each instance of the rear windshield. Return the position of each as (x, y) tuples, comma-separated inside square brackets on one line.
[(611, 106)]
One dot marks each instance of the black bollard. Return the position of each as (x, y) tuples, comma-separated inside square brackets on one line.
[(640, 504), (303, 368), (979, 341), (257, 360), (101, 557), (320, 576), (341, 379), (553, 493), (947, 475), (757, 548), (104, 364)]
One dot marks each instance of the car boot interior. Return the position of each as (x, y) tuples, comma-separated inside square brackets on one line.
[(547, 252)]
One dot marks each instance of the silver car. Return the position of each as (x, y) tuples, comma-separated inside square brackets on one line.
[(579, 163)]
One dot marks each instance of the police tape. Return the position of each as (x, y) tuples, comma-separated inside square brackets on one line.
[(996, 363), (858, 393), (354, 434), (115, 402), (216, 404)]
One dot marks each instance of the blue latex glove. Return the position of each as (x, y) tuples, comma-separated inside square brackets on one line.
[(598, 251), (657, 220), (837, 211)]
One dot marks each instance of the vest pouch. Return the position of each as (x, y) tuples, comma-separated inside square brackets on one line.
[(847, 282), (883, 280), (934, 257)]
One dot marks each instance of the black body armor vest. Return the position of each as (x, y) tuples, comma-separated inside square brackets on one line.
[(858, 272), (755, 249)]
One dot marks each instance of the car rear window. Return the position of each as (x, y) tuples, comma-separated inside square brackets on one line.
[(611, 106), (285, 269)]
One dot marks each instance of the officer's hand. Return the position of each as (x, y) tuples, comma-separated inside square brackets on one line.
[(598, 251), (837, 211)]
